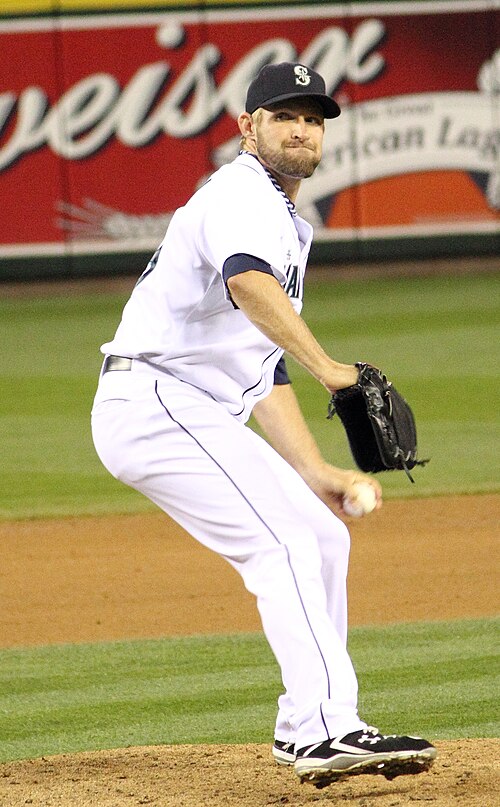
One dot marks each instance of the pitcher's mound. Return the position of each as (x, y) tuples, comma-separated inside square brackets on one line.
[(465, 774)]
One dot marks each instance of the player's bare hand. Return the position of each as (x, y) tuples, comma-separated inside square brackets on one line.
[(340, 376), (333, 484)]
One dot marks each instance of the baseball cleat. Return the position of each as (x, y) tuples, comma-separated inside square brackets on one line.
[(365, 751), (284, 753)]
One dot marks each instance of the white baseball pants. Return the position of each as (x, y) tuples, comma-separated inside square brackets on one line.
[(231, 491)]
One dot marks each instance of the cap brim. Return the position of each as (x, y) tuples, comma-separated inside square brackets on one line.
[(330, 107)]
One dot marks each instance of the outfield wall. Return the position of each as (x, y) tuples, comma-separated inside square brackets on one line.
[(112, 112)]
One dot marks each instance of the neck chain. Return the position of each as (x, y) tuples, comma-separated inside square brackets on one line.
[(290, 205)]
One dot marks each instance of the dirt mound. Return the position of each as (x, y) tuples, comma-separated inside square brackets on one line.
[(244, 776)]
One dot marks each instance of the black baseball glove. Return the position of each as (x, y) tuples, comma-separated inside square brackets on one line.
[(379, 423)]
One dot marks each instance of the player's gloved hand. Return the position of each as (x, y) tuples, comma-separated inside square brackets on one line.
[(379, 423)]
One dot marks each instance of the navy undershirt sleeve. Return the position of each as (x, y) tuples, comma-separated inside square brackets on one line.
[(242, 262), (281, 373)]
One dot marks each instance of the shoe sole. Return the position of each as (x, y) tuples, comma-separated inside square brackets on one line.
[(400, 763), (284, 759)]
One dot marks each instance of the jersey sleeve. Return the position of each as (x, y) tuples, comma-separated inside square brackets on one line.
[(242, 217)]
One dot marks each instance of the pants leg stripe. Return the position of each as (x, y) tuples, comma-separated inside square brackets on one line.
[(265, 525)]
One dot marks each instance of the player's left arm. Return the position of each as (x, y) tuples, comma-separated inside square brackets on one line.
[(280, 417), (262, 299)]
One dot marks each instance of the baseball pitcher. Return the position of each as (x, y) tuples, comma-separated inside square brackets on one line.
[(200, 347)]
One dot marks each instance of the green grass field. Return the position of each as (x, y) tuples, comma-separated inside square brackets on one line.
[(438, 678), (436, 337)]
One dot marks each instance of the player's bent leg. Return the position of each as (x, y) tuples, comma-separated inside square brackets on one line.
[(282, 520), (153, 441), (333, 540)]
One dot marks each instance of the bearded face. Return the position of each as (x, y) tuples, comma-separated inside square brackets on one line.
[(289, 138)]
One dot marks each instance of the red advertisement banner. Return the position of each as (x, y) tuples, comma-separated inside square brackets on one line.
[(108, 123)]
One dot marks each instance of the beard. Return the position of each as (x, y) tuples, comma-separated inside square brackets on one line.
[(291, 162)]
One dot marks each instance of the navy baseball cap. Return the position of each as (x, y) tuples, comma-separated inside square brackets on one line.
[(281, 82)]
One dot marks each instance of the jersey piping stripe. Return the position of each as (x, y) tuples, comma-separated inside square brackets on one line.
[(250, 389), (266, 526)]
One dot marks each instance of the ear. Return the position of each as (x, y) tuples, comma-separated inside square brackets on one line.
[(246, 125)]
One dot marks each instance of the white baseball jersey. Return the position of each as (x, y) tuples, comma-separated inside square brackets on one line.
[(180, 316)]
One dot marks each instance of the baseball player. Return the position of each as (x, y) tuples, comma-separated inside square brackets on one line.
[(199, 348)]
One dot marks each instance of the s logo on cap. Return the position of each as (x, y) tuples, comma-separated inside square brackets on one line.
[(302, 75), (276, 83)]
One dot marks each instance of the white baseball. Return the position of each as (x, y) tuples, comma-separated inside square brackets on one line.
[(361, 501)]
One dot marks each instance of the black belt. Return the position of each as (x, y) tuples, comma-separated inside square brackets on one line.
[(116, 363)]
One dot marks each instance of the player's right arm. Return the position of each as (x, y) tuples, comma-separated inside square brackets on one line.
[(261, 298), (280, 417)]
